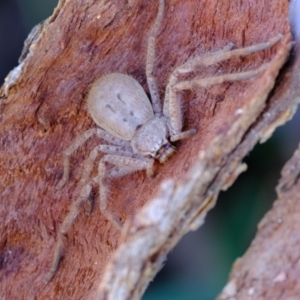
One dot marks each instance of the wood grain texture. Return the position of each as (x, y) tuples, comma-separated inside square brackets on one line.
[(44, 109)]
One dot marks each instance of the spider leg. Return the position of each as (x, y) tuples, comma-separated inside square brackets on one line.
[(172, 107), (79, 142), (206, 82), (182, 135), (126, 165), (84, 194), (225, 54), (90, 162), (152, 84), (64, 228)]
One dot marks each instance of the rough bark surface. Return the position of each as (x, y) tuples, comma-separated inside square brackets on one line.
[(43, 109), (270, 268)]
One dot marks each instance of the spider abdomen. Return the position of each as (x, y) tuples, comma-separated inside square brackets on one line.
[(119, 105)]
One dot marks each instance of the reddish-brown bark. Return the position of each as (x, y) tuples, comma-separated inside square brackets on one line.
[(270, 268), (44, 110)]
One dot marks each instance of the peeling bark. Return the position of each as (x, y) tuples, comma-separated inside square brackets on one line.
[(43, 110), (270, 268)]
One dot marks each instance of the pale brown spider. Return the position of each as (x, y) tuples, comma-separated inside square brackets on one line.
[(139, 131)]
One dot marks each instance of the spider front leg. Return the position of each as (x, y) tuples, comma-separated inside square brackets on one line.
[(124, 165), (79, 142), (172, 105)]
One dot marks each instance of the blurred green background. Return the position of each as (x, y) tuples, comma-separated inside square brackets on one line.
[(199, 266)]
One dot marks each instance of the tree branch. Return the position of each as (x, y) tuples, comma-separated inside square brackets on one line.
[(43, 110)]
